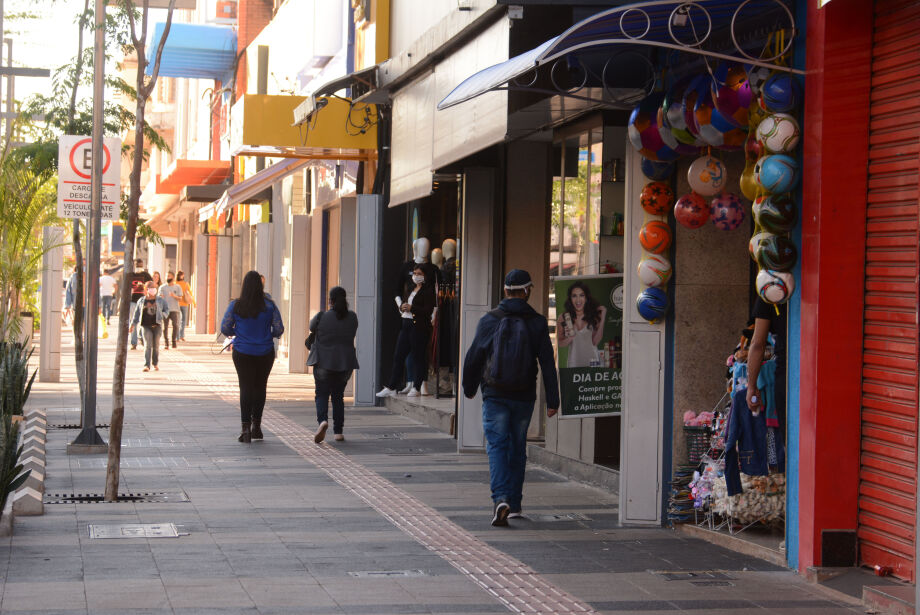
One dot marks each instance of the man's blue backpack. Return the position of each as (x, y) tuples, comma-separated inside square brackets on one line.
[(510, 366)]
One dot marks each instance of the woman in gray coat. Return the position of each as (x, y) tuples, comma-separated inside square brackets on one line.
[(333, 358)]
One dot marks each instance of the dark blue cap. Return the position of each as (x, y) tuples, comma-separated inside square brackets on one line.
[(517, 279)]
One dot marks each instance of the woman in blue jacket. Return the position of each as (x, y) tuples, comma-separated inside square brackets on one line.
[(252, 321)]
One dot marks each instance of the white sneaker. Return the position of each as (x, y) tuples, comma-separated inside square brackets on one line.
[(385, 392), (407, 389), (413, 392), (424, 389)]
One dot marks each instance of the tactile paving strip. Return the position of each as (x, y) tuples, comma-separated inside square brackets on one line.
[(509, 580)]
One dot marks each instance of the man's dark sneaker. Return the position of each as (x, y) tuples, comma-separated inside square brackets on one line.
[(515, 514), (500, 515)]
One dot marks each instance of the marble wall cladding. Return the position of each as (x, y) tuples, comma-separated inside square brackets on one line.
[(710, 302)]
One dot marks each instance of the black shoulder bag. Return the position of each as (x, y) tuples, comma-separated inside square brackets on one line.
[(311, 339)]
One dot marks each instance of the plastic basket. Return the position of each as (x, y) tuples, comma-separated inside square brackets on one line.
[(698, 439)]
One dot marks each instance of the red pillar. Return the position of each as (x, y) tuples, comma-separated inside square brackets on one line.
[(836, 142)]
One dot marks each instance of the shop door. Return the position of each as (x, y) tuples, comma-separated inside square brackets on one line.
[(888, 461)]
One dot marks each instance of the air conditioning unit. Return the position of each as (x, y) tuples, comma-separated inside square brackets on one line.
[(226, 9)]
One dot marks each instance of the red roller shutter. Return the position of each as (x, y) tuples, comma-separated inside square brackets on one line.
[(888, 487)]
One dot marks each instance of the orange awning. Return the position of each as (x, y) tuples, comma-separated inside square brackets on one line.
[(182, 173)]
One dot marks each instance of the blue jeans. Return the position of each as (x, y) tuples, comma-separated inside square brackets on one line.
[(107, 301), (505, 422), (183, 320), (131, 315), (331, 383)]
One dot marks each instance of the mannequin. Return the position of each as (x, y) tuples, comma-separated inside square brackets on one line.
[(437, 257), (449, 268), (449, 323)]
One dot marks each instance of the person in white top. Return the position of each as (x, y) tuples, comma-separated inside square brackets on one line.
[(581, 326), (107, 288)]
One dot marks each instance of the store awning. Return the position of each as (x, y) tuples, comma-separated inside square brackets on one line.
[(668, 24), (194, 51), (253, 186), (160, 208), (261, 126), (182, 173), (361, 82)]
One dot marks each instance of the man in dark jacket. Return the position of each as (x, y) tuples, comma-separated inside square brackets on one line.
[(506, 413)]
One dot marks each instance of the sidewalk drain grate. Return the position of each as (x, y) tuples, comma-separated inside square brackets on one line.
[(712, 583), (75, 426), (99, 498), (391, 436), (387, 573), (564, 517), (134, 530), (698, 577)]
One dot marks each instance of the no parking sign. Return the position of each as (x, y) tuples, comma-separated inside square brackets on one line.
[(75, 169)]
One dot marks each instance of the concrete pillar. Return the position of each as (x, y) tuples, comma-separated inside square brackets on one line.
[(200, 283), (263, 254), (225, 291), (300, 294), (49, 368), (316, 301), (348, 244), (237, 270), (368, 243)]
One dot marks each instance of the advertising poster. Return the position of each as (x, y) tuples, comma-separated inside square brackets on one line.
[(589, 330)]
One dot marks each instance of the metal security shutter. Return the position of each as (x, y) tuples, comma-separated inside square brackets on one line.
[(888, 461)]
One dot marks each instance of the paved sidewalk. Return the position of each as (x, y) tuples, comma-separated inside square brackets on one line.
[(390, 521)]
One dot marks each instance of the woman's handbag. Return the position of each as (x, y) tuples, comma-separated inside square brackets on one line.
[(311, 339)]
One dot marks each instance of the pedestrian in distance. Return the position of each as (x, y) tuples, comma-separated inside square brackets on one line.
[(502, 359), (414, 335), (107, 288), (138, 280), (185, 303), (253, 321), (70, 295), (149, 314), (157, 279), (333, 358), (172, 293)]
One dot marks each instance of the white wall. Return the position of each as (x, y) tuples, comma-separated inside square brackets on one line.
[(409, 19)]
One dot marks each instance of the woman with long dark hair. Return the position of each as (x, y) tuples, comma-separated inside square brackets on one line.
[(252, 321), (333, 358), (580, 327)]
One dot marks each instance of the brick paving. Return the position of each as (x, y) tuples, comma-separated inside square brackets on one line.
[(392, 520)]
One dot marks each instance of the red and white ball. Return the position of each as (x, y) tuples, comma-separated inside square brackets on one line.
[(691, 211), (726, 211), (775, 286), (654, 270)]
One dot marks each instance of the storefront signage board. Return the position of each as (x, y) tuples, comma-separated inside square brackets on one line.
[(589, 332), (75, 162)]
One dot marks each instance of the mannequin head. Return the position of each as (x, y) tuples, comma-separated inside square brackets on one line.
[(437, 257), (420, 249), (449, 248)]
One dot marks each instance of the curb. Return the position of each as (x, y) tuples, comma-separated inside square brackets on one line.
[(28, 498)]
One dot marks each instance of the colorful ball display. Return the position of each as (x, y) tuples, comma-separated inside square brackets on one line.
[(781, 93), (673, 113), (643, 130), (713, 128), (775, 213), (707, 176), (775, 286), (756, 77), (652, 304), (731, 93), (779, 133), (749, 186), (777, 173), (756, 240), (697, 89), (657, 171), (726, 211), (655, 237), (654, 271), (777, 252), (656, 198), (753, 149), (691, 211)]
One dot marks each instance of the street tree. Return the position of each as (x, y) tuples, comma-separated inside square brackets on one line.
[(143, 90)]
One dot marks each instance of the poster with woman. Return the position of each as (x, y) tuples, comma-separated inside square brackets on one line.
[(589, 330)]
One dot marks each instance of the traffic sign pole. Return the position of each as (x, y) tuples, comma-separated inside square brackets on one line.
[(89, 439)]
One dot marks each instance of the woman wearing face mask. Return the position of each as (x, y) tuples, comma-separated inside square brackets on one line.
[(414, 335), (150, 313)]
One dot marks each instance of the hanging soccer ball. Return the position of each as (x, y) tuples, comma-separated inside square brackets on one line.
[(726, 211), (777, 252), (731, 93), (642, 129), (753, 149), (756, 77), (756, 240), (707, 176), (777, 173), (652, 304), (781, 93), (775, 286), (657, 171), (656, 198), (714, 129), (779, 133), (673, 113), (691, 211), (655, 237), (775, 213), (654, 270), (749, 185), (697, 89)]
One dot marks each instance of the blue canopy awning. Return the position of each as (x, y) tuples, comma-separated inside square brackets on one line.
[(675, 25), (194, 51)]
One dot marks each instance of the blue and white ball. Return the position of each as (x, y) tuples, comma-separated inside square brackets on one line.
[(775, 286), (781, 93), (779, 133), (777, 173), (652, 304), (657, 171)]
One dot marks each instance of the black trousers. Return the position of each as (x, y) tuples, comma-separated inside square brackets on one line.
[(330, 383), (413, 338), (252, 372), (174, 318)]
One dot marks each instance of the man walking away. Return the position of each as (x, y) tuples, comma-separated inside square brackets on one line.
[(503, 359), (107, 288), (138, 280), (172, 293)]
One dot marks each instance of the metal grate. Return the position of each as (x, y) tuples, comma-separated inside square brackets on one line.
[(561, 517), (99, 498), (134, 530), (387, 573), (697, 577), (74, 426)]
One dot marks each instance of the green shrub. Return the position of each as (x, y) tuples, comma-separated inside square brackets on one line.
[(15, 383), (11, 474)]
